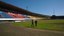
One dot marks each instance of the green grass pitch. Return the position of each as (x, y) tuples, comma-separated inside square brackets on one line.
[(57, 25)]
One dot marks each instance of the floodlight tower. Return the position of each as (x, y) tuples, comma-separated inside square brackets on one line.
[(53, 11), (53, 16), (26, 7)]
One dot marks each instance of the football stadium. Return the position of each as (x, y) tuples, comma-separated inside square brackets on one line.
[(15, 21)]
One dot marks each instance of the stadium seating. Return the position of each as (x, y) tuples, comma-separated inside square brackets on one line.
[(4, 15), (15, 15)]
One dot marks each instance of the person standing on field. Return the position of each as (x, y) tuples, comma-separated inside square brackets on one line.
[(35, 22), (32, 23)]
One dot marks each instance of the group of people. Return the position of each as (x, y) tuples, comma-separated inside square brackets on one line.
[(34, 23)]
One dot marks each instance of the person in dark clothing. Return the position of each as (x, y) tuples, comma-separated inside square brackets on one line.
[(35, 22), (32, 23)]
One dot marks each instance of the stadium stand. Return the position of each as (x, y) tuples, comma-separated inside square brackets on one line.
[(4, 15), (15, 15)]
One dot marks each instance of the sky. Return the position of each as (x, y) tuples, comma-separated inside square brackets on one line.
[(45, 7)]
